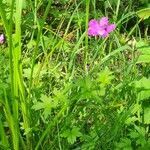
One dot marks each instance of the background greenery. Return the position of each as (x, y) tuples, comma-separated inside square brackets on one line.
[(60, 89)]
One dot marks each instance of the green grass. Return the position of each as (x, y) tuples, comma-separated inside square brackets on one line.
[(61, 89)]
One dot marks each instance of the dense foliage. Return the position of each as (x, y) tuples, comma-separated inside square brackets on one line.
[(62, 89)]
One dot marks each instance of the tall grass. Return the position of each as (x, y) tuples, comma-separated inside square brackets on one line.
[(17, 89), (65, 90)]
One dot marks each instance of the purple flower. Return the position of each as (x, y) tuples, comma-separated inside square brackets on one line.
[(100, 27), (2, 38)]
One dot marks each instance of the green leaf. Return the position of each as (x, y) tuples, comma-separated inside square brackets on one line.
[(143, 95), (71, 135), (143, 87), (144, 59), (46, 104), (144, 13), (143, 47), (87, 87), (131, 120), (142, 43), (147, 115), (143, 83), (134, 134), (31, 44), (124, 144), (105, 76), (3, 135), (145, 50), (38, 70)]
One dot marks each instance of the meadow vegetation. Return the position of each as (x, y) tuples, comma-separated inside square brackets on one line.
[(61, 89)]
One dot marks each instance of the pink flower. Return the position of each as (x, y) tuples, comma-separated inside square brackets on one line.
[(2, 38), (100, 27)]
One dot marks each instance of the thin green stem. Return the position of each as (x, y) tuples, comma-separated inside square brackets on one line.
[(40, 28), (86, 37)]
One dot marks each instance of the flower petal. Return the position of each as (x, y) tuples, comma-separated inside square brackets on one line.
[(2, 38), (93, 27), (100, 27), (111, 27), (102, 32), (93, 22), (103, 21)]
